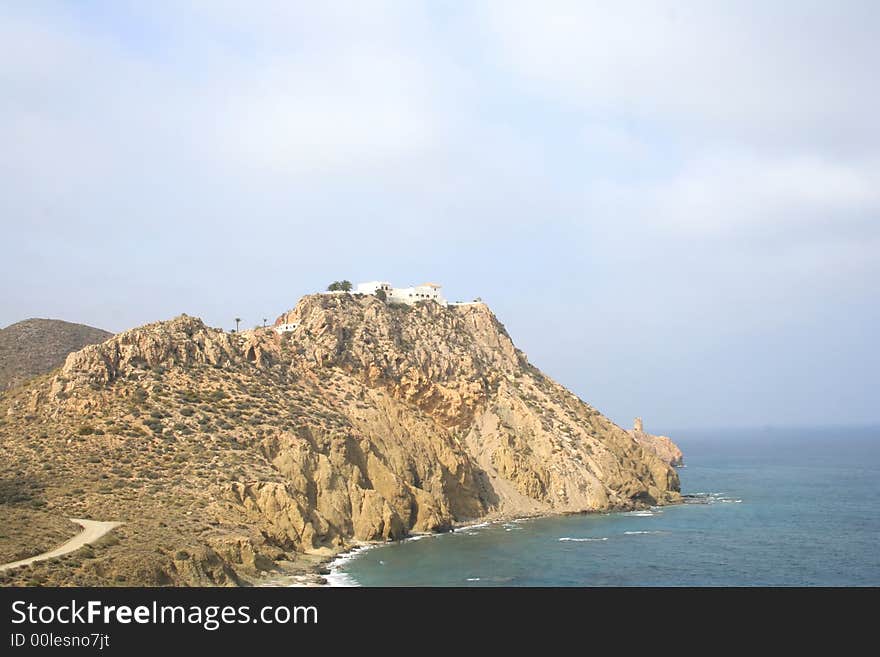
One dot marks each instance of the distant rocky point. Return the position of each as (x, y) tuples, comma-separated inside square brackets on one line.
[(662, 446), (36, 346)]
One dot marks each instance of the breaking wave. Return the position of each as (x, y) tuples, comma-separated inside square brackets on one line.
[(337, 575)]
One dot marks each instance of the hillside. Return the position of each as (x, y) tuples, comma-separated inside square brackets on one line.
[(37, 346), (229, 456)]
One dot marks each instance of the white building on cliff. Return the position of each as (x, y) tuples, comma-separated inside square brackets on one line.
[(408, 295), (280, 329)]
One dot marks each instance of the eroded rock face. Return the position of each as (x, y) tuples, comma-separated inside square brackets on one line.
[(181, 341), (532, 444), (662, 446), (367, 422), (444, 360)]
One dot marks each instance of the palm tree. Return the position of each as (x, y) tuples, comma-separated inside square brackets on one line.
[(237, 322), (264, 322)]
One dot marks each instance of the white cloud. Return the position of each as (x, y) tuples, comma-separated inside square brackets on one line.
[(301, 98), (607, 139), (756, 121), (365, 108), (763, 71), (720, 194)]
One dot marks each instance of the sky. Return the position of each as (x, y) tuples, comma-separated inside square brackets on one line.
[(673, 207)]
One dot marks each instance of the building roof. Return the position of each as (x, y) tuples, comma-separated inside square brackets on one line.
[(434, 285)]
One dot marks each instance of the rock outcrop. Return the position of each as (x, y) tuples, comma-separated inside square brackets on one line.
[(367, 422), (540, 446), (662, 446)]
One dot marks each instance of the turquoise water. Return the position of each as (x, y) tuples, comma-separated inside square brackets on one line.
[(775, 507)]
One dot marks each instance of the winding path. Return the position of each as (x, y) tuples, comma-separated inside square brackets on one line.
[(92, 531)]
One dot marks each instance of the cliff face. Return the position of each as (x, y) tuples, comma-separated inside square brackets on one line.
[(535, 445), (368, 421), (662, 446)]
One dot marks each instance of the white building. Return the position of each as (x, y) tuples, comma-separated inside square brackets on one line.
[(408, 295), (372, 287), (285, 328)]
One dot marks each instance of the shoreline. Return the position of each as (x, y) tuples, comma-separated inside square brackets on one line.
[(328, 572), (338, 578), (322, 572)]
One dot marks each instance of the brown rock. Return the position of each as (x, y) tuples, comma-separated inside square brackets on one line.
[(367, 422), (662, 446)]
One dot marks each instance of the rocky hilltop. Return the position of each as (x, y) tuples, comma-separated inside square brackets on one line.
[(37, 346), (230, 456)]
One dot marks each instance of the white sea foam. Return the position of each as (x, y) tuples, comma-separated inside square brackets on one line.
[(337, 575), (633, 533), (473, 579), (721, 498), (641, 514), (582, 540), (341, 580), (469, 528), (715, 498)]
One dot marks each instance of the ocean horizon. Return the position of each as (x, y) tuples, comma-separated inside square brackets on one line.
[(766, 507)]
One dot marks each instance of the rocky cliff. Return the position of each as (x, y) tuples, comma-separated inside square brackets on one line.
[(232, 455), (662, 446)]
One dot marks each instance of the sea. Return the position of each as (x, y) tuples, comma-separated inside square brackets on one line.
[(766, 507)]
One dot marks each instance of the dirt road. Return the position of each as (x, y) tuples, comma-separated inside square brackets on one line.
[(92, 531)]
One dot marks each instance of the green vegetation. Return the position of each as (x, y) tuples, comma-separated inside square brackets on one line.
[(340, 286)]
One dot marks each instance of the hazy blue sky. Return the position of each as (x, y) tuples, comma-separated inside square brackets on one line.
[(674, 207)]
